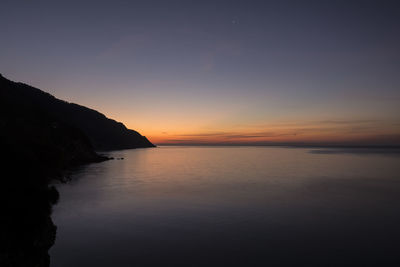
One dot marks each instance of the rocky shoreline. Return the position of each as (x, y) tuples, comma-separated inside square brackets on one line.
[(38, 146)]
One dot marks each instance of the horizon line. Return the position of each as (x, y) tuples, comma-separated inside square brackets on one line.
[(299, 145)]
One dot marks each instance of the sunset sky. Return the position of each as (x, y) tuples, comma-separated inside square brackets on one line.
[(217, 72)]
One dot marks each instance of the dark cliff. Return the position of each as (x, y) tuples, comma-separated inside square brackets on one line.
[(36, 147), (41, 137), (103, 133)]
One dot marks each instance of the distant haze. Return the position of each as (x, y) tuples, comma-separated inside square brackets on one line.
[(217, 72)]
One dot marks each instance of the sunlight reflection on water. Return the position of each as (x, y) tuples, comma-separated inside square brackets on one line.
[(207, 206)]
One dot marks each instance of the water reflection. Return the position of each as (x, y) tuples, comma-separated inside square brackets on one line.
[(246, 206), (358, 151)]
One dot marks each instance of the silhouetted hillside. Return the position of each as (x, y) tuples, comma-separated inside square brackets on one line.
[(102, 132), (36, 147), (40, 137)]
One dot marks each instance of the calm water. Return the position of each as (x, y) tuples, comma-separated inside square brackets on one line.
[(225, 206)]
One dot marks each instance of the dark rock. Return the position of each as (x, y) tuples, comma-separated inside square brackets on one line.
[(102, 132), (40, 138)]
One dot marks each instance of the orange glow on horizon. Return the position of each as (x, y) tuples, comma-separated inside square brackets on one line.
[(179, 119), (205, 126), (332, 132)]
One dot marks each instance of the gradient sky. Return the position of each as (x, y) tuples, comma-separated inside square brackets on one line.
[(249, 72)]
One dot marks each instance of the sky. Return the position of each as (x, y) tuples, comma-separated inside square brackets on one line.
[(217, 72)]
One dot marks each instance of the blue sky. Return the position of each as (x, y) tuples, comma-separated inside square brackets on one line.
[(206, 69)]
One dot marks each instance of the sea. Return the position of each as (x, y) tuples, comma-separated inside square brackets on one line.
[(231, 206)]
